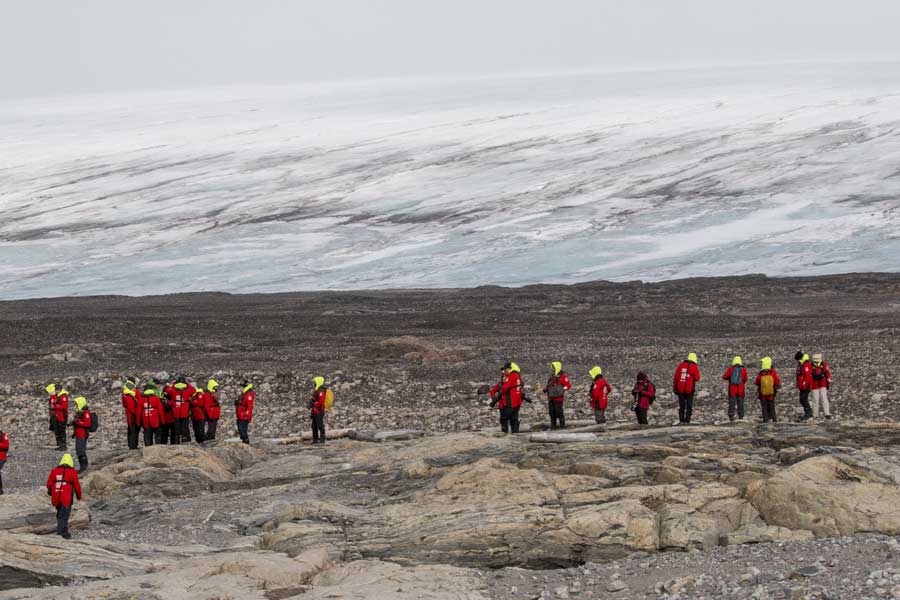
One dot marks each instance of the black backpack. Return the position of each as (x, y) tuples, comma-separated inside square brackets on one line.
[(95, 422)]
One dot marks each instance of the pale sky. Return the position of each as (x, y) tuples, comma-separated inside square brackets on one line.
[(73, 46)]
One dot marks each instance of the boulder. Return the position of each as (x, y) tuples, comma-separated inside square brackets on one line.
[(838, 494), (364, 580), (757, 533)]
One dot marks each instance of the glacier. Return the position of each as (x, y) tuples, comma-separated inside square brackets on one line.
[(559, 178)]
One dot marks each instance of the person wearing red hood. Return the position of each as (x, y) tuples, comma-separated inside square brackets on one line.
[(244, 411), (131, 405), (63, 487), (4, 448), (179, 395), (556, 389), (684, 385)]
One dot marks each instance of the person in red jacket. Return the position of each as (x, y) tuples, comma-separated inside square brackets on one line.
[(50, 388), (131, 405), (820, 381), (63, 487), (736, 376), (4, 448), (213, 409), (556, 389), (512, 393), (151, 415), (244, 411), (600, 390), (59, 411), (803, 382), (198, 415), (497, 398), (82, 425), (684, 384), (179, 395), (644, 393), (167, 418), (317, 410), (767, 383)]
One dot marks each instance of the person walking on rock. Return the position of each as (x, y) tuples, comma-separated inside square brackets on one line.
[(643, 393), (59, 411), (512, 393), (63, 487), (736, 376), (213, 409), (151, 415), (244, 411), (804, 383), (767, 385), (4, 449), (684, 384), (82, 426), (131, 405), (556, 389), (198, 415), (819, 384), (317, 410), (599, 394)]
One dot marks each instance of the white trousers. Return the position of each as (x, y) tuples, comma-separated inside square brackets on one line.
[(819, 400)]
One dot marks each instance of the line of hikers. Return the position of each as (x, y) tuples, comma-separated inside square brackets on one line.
[(812, 380)]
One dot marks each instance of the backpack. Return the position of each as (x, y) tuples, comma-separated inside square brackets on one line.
[(555, 389), (818, 373), (737, 375), (95, 422), (767, 385), (329, 399)]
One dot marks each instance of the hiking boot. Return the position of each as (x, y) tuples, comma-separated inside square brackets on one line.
[(828, 417)]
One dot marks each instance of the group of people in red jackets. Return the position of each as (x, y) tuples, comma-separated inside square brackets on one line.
[(813, 379)]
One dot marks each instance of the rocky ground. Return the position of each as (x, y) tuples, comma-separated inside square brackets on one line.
[(457, 510)]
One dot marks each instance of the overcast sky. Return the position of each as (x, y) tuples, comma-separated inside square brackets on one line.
[(65, 46)]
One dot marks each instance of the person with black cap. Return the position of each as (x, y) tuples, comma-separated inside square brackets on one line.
[(644, 393), (804, 383)]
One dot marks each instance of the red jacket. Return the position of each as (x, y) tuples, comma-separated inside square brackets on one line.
[(600, 390), (563, 380), (643, 393), (774, 375), (151, 411), (132, 406), (686, 377), (317, 402), (167, 417), (4, 445), (82, 424), (59, 407), (198, 406), (820, 376), (213, 409), (804, 375), (61, 484), (244, 411), (735, 390), (512, 391), (179, 396)]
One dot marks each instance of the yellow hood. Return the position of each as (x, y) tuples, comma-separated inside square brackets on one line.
[(737, 362), (692, 357), (66, 461), (50, 389), (766, 363), (248, 387), (319, 382), (595, 372), (557, 367), (514, 368), (212, 384), (80, 403)]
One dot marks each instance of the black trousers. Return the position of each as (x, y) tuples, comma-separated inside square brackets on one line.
[(641, 415), (768, 409), (244, 431), (557, 416), (181, 431), (804, 402), (152, 435), (509, 419), (59, 429), (134, 432), (211, 426), (199, 430), (600, 416), (81, 453), (735, 403), (685, 407), (62, 520), (2, 462), (318, 426)]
